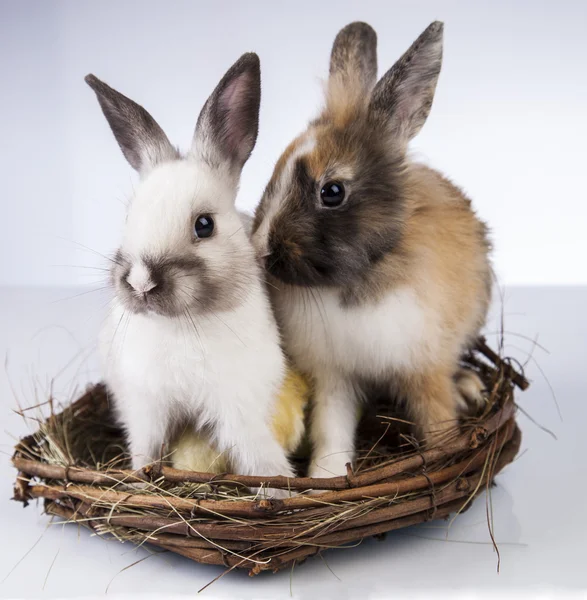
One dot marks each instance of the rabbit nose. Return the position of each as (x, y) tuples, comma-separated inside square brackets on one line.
[(140, 279)]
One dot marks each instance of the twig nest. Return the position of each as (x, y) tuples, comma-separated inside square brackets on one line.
[(77, 462)]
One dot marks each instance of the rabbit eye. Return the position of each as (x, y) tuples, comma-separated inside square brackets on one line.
[(204, 226), (332, 194)]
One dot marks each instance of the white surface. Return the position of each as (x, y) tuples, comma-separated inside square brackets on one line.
[(508, 123), (538, 503)]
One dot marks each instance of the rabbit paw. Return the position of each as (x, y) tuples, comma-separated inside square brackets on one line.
[(273, 493), (472, 393)]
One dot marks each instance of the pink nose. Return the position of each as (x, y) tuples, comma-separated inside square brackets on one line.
[(140, 280)]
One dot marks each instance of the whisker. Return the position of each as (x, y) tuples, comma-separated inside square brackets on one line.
[(108, 258), (83, 267), (106, 287), (114, 336), (239, 229)]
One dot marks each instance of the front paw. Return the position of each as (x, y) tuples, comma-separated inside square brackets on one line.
[(136, 486), (278, 494), (329, 466), (273, 493), (472, 396)]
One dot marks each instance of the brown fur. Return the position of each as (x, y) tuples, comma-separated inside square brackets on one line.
[(439, 230), (354, 56), (401, 226)]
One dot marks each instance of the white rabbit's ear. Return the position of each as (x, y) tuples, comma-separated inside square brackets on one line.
[(403, 97), (353, 60), (142, 141), (229, 122)]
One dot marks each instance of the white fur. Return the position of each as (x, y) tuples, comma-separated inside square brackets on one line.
[(339, 344), (161, 371), (365, 340), (261, 239)]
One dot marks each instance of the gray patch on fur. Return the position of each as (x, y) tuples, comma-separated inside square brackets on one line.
[(354, 53), (403, 97), (209, 291), (141, 139), (309, 246)]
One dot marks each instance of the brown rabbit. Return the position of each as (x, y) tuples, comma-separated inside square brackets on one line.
[(379, 265)]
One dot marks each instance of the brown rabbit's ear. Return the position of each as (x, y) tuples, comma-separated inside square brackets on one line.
[(353, 60), (228, 124), (142, 141), (403, 97)]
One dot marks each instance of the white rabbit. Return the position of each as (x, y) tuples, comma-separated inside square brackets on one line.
[(190, 336)]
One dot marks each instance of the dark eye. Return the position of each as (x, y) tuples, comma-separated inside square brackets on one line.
[(204, 226), (332, 194)]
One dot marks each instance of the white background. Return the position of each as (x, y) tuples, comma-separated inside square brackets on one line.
[(508, 124)]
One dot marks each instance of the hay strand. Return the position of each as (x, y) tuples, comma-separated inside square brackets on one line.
[(76, 463)]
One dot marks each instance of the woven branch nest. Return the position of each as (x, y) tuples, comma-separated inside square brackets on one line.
[(77, 463)]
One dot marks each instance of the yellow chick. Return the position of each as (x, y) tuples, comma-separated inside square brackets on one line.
[(193, 451)]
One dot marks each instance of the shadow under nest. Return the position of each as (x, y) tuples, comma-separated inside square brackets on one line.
[(77, 463)]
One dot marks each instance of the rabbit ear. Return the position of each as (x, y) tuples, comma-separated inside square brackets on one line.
[(228, 124), (403, 97), (142, 141), (353, 59)]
